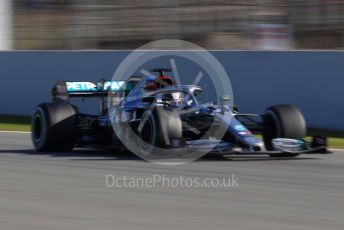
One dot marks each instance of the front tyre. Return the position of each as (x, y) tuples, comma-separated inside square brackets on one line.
[(53, 127), (147, 132), (159, 128), (283, 121)]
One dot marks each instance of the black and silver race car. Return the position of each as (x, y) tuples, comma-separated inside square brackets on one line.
[(154, 113)]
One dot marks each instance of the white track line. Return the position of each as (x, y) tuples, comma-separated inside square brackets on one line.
[(342, 150), (5, 131)]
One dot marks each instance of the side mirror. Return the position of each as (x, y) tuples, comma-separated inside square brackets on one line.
[(197, 92), (148, 99), (235, 109), (224, 99)]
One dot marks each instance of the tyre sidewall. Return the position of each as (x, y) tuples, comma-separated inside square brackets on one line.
[(283, 121), (58, 122), (39, 143)]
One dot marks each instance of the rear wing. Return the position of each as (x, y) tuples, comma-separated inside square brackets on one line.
[(65, 89)]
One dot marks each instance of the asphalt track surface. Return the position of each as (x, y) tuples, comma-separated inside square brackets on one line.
[(68, 191)]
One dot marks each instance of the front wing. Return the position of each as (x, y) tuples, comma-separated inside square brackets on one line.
[(224, 148)]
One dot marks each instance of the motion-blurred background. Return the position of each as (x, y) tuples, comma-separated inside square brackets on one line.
[(213, 24)]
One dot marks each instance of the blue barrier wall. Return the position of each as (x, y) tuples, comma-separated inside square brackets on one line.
[(311, 80)]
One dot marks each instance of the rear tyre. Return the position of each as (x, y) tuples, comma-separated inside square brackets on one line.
[(53, 127), (283, 121)]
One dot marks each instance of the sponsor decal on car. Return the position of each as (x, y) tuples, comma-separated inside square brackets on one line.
[(115, 85), (245, 133), (240, 128), (80, 86), (91, 87)]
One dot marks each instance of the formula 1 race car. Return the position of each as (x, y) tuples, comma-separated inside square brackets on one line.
[(163, 115)]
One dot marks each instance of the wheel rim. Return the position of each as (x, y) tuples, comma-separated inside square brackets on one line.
[(146, 134), (147, 137), (276, 122), (37, 128)]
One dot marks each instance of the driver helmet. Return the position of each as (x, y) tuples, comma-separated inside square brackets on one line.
[(173, 99)]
